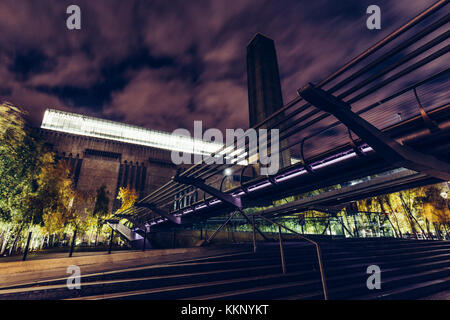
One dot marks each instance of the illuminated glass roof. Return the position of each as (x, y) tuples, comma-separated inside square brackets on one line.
[(99, 128)]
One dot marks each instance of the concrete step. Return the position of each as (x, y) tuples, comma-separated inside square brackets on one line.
[(309, 254), (60, 291), (245, 275), (236, 261), (415, 291), (244, 259), (357, 274), (313, 290)]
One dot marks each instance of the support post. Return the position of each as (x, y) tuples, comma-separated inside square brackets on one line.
[(72, 245), (326, 227), (173, 238), (145, 239), (111, 241), (27, 246), (283, 263), (254, 234), (199, 183), (356, 226), (342, 225)]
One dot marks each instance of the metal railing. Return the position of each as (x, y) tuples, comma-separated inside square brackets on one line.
[(318, 252)]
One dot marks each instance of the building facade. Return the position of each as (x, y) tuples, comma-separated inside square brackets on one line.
[(114, 155)]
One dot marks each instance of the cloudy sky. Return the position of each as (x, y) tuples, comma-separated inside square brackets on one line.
[(164, 64)]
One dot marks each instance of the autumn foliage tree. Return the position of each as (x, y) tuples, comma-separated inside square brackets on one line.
[(435, 209), (127, 197), (34, 188), (20, 162)]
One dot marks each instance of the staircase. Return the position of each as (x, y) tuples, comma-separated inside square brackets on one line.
[(410, 269), (133, 237)]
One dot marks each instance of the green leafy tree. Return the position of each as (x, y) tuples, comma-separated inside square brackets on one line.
[(34, 188), (20, 161)]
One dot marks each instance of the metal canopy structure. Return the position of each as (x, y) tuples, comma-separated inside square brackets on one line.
[(362, 98)]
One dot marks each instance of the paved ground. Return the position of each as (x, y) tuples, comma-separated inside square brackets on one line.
[(54, 265), (445, 295), (56, 253)]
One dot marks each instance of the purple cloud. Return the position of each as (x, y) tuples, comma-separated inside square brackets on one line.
[(164, 64)]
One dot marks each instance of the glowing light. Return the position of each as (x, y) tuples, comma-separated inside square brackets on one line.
[(99, 128)]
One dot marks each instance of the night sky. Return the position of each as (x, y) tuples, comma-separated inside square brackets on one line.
[(164, 64)]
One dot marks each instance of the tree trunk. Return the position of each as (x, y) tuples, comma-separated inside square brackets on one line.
[(43, 241), (437, 228), (393, 227), (396, 219), (16, 239), (408, 216), (2, 238), (418, 224), (387, 216), (446, 232), (427, 223), (97, 233), (5, 241), (348, 224)]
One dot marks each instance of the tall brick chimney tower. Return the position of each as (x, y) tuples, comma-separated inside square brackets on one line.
[(264, 87)]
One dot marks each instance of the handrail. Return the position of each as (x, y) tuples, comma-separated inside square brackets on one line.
[(318, 251)]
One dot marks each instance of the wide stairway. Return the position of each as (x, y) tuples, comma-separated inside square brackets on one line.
[(410, 269)]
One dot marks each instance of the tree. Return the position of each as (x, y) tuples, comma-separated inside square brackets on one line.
[(435, 208), (34, 188), (101, 202), (101, 209), (20, 162), (128, 197)]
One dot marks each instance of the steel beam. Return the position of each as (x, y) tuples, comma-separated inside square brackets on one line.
[(162, 213), (199, 183), (392, 151), (231, 200)]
